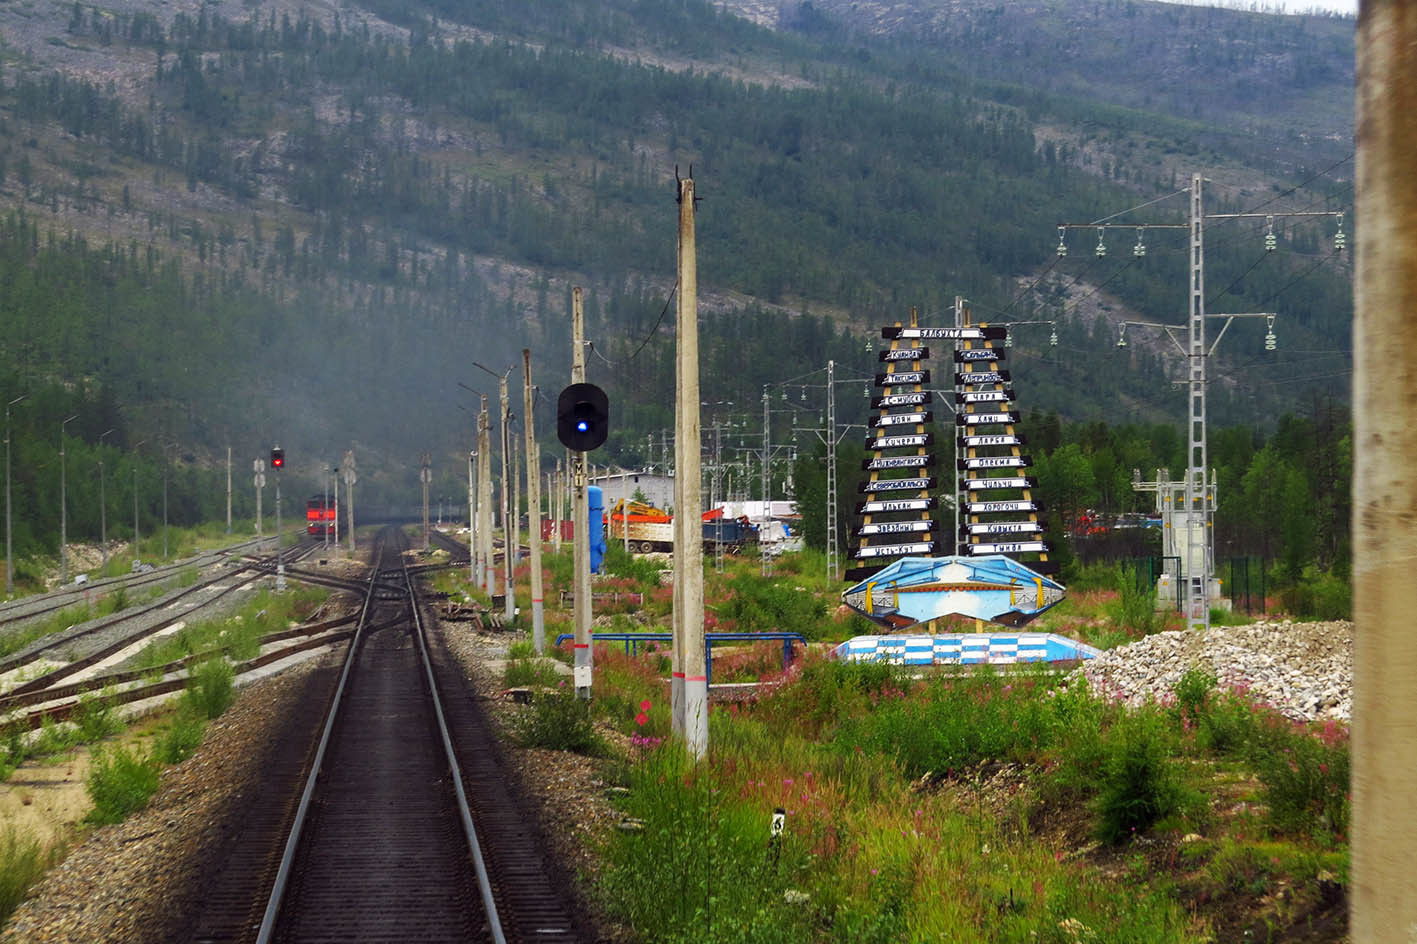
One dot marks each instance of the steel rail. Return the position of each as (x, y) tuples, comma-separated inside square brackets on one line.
[(484, 882), (268, 920)]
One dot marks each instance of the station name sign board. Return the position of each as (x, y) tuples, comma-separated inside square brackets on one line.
[(897, 462), (1001, 507), (1015, 547), (981, 333), (903, 378), (979, 485), (895, 550), (984, 396), (896, 527), (979, 354), (995, 462), (897, 485), (1003, 439), (905, 354), (902, 419), (893, 505), (982, 377), (899, 399), (1005, 527), (985, 419), (900, 442)]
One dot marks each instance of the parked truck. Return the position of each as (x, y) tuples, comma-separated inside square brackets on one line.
[(650, 529)]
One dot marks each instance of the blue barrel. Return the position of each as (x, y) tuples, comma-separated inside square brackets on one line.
[(596, 531)]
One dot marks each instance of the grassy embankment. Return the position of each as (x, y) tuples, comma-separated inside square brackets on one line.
[(985, 806)]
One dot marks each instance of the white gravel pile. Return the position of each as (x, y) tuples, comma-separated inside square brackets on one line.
[(1304, 670)]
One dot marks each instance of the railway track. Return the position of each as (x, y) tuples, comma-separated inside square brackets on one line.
[(25, 609), (405, 829), (93, 637)]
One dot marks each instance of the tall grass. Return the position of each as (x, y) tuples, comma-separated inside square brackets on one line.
[(210, 689), (23, 860), (120, 782), (862, 857)]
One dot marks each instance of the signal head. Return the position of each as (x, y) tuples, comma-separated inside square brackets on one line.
[(582, 417)]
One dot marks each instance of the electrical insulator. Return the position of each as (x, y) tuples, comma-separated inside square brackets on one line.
[(1101, 246), (1122, 336), (1053, 337), (1271, 343), (1062, 246), (1269, 238), (1339, 240), (1139, 249), (1008, 340), (803, 396)]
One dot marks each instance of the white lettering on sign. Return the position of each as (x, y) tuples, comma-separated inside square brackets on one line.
[(1000, 440), (893, 484), (1006, 527), (903, 378), (982, 377), (981, 419), (892, 550), (1017, 547), (901, 399), (979, 485), (997, 462), (953, 334), (994, 507), (902, 504), (902, 419), (895, 442), (900, 462), (906, 354), (895, 527), (978, 354), (985, 396)]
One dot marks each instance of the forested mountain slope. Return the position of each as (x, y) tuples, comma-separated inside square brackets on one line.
[(234, 216)]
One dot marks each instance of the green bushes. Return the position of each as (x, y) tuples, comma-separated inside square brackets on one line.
[(119, 783), (1138, 782), (209, 689), (23, 859), (712, 850), (757, 605), (181, 739), (559, 721), (1303, 773), (1318, 595)]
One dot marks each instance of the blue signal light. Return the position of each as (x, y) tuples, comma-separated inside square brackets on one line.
[(582, 426)]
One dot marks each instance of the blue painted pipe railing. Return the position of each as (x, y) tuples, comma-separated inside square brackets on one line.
[(632, 642)]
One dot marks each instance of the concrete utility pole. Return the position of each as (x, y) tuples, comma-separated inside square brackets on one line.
[(533, 502), (509, 534), (103, 501), (1197, 584), (688, 494), (425, 475), (350, 477), (63, 508), (559, 491), (228, 489), (471, 518), (258, 481), (516, 492), (9, 542), (334, 538), (280, 538), (1384, 847), (583, 669), (484, 495)]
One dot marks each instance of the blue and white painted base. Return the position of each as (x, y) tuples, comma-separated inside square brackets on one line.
[(965, 649)]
